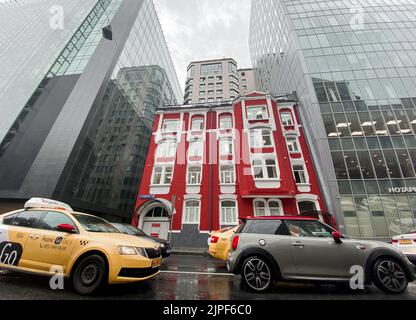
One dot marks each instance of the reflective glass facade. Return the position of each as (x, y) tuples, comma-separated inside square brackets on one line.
[(83, 134), (353, 67)]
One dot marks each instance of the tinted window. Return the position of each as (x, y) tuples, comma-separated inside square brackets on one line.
[(95, 224), (306, 228), (9, 219), (264, 227), (27, 219), (52, 220), (134, 231)]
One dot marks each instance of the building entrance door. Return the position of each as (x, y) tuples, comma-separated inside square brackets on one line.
[(157, 223)]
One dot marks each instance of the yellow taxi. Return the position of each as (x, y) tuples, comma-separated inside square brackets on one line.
[(48, 235), (220, 243)]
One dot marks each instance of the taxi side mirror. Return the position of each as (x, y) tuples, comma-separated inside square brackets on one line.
[(66, 228)]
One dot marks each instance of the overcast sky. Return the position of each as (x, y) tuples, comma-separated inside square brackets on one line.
[(205, 29)]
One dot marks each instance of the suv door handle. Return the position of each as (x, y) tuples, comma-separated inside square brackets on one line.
[(299, 245), (34, 237)]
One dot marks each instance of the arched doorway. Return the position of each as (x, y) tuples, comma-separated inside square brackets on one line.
[(155, 218)]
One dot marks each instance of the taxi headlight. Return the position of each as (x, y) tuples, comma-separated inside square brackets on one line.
[(127, 251)]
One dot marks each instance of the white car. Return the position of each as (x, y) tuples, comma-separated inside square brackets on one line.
[(406, 243)]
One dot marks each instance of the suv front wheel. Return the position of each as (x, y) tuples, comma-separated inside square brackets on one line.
[(389, 276), (256, 274)]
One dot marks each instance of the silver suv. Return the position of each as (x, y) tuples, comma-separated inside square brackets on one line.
[(265, 249)]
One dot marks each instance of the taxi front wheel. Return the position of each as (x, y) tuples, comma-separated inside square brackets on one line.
[(89, 275)]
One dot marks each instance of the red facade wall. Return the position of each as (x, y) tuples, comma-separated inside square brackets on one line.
[(245, 190)]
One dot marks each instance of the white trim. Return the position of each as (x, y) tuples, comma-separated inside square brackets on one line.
[(196, 198), (230, 198)]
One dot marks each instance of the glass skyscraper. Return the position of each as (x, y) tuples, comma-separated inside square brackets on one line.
[(77, 109), (352, 66)]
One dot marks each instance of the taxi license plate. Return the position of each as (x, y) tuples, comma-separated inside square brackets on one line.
[(405, 242), (156, 263)]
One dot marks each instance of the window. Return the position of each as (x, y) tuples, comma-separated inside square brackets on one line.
[(228, 212), (192, 212), (315, 229), (202, 86), (226, 122), (306, 206), (194, 175), (300, 175), (257, 113), (219, 78), (162, 175), (27, 219), (292, 144), (211, 68), (260, 208), (232, 68), (201, 93), (226, 147), (227, 175), (272, 227), (170, 126), (53, 219), (197, 124), (287, 119), (219, 92), (211, 92), (265, 169), (260, 138), (195, 149), (166, 150), (275, 208)]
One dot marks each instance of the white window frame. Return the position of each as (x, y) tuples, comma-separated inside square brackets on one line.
[(264, 115), (162, 174), (305, 173), (229, 117), (223, 174), (256, 137), (166, 149), (231, 142), (199, 148), (232, 211), (165, 121), (264, 167), (199, 120), (290, 141), (197, 174), (267, 208), (285, 119), (192, 211)]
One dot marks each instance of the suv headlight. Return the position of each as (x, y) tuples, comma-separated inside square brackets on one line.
[(127, 251)]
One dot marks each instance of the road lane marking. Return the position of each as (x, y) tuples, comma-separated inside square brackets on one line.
[(199, 273)]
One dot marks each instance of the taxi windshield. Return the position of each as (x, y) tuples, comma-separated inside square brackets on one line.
[(95, 224)]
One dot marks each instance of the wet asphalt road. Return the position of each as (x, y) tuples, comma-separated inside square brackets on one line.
[(187, 277)]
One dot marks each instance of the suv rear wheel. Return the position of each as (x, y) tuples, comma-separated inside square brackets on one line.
[(389, 276), (256, 274)]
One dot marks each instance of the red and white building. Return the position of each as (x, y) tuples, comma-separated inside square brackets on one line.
[(208, 165)]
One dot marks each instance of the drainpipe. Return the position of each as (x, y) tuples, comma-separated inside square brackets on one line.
[(210, 169)]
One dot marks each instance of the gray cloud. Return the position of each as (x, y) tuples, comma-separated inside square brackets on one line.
[(205, 29)]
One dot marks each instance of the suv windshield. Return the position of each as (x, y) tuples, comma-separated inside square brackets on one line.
[(95, 224)]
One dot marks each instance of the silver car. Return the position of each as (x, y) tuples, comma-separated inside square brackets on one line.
[(265, 249)]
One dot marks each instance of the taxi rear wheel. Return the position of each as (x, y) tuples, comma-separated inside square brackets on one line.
[(89, 275)]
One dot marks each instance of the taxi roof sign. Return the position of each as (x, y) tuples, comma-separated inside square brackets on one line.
[(46, 203)]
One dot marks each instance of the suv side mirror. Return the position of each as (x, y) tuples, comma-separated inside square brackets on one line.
[(337, 236), (66, 228)]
